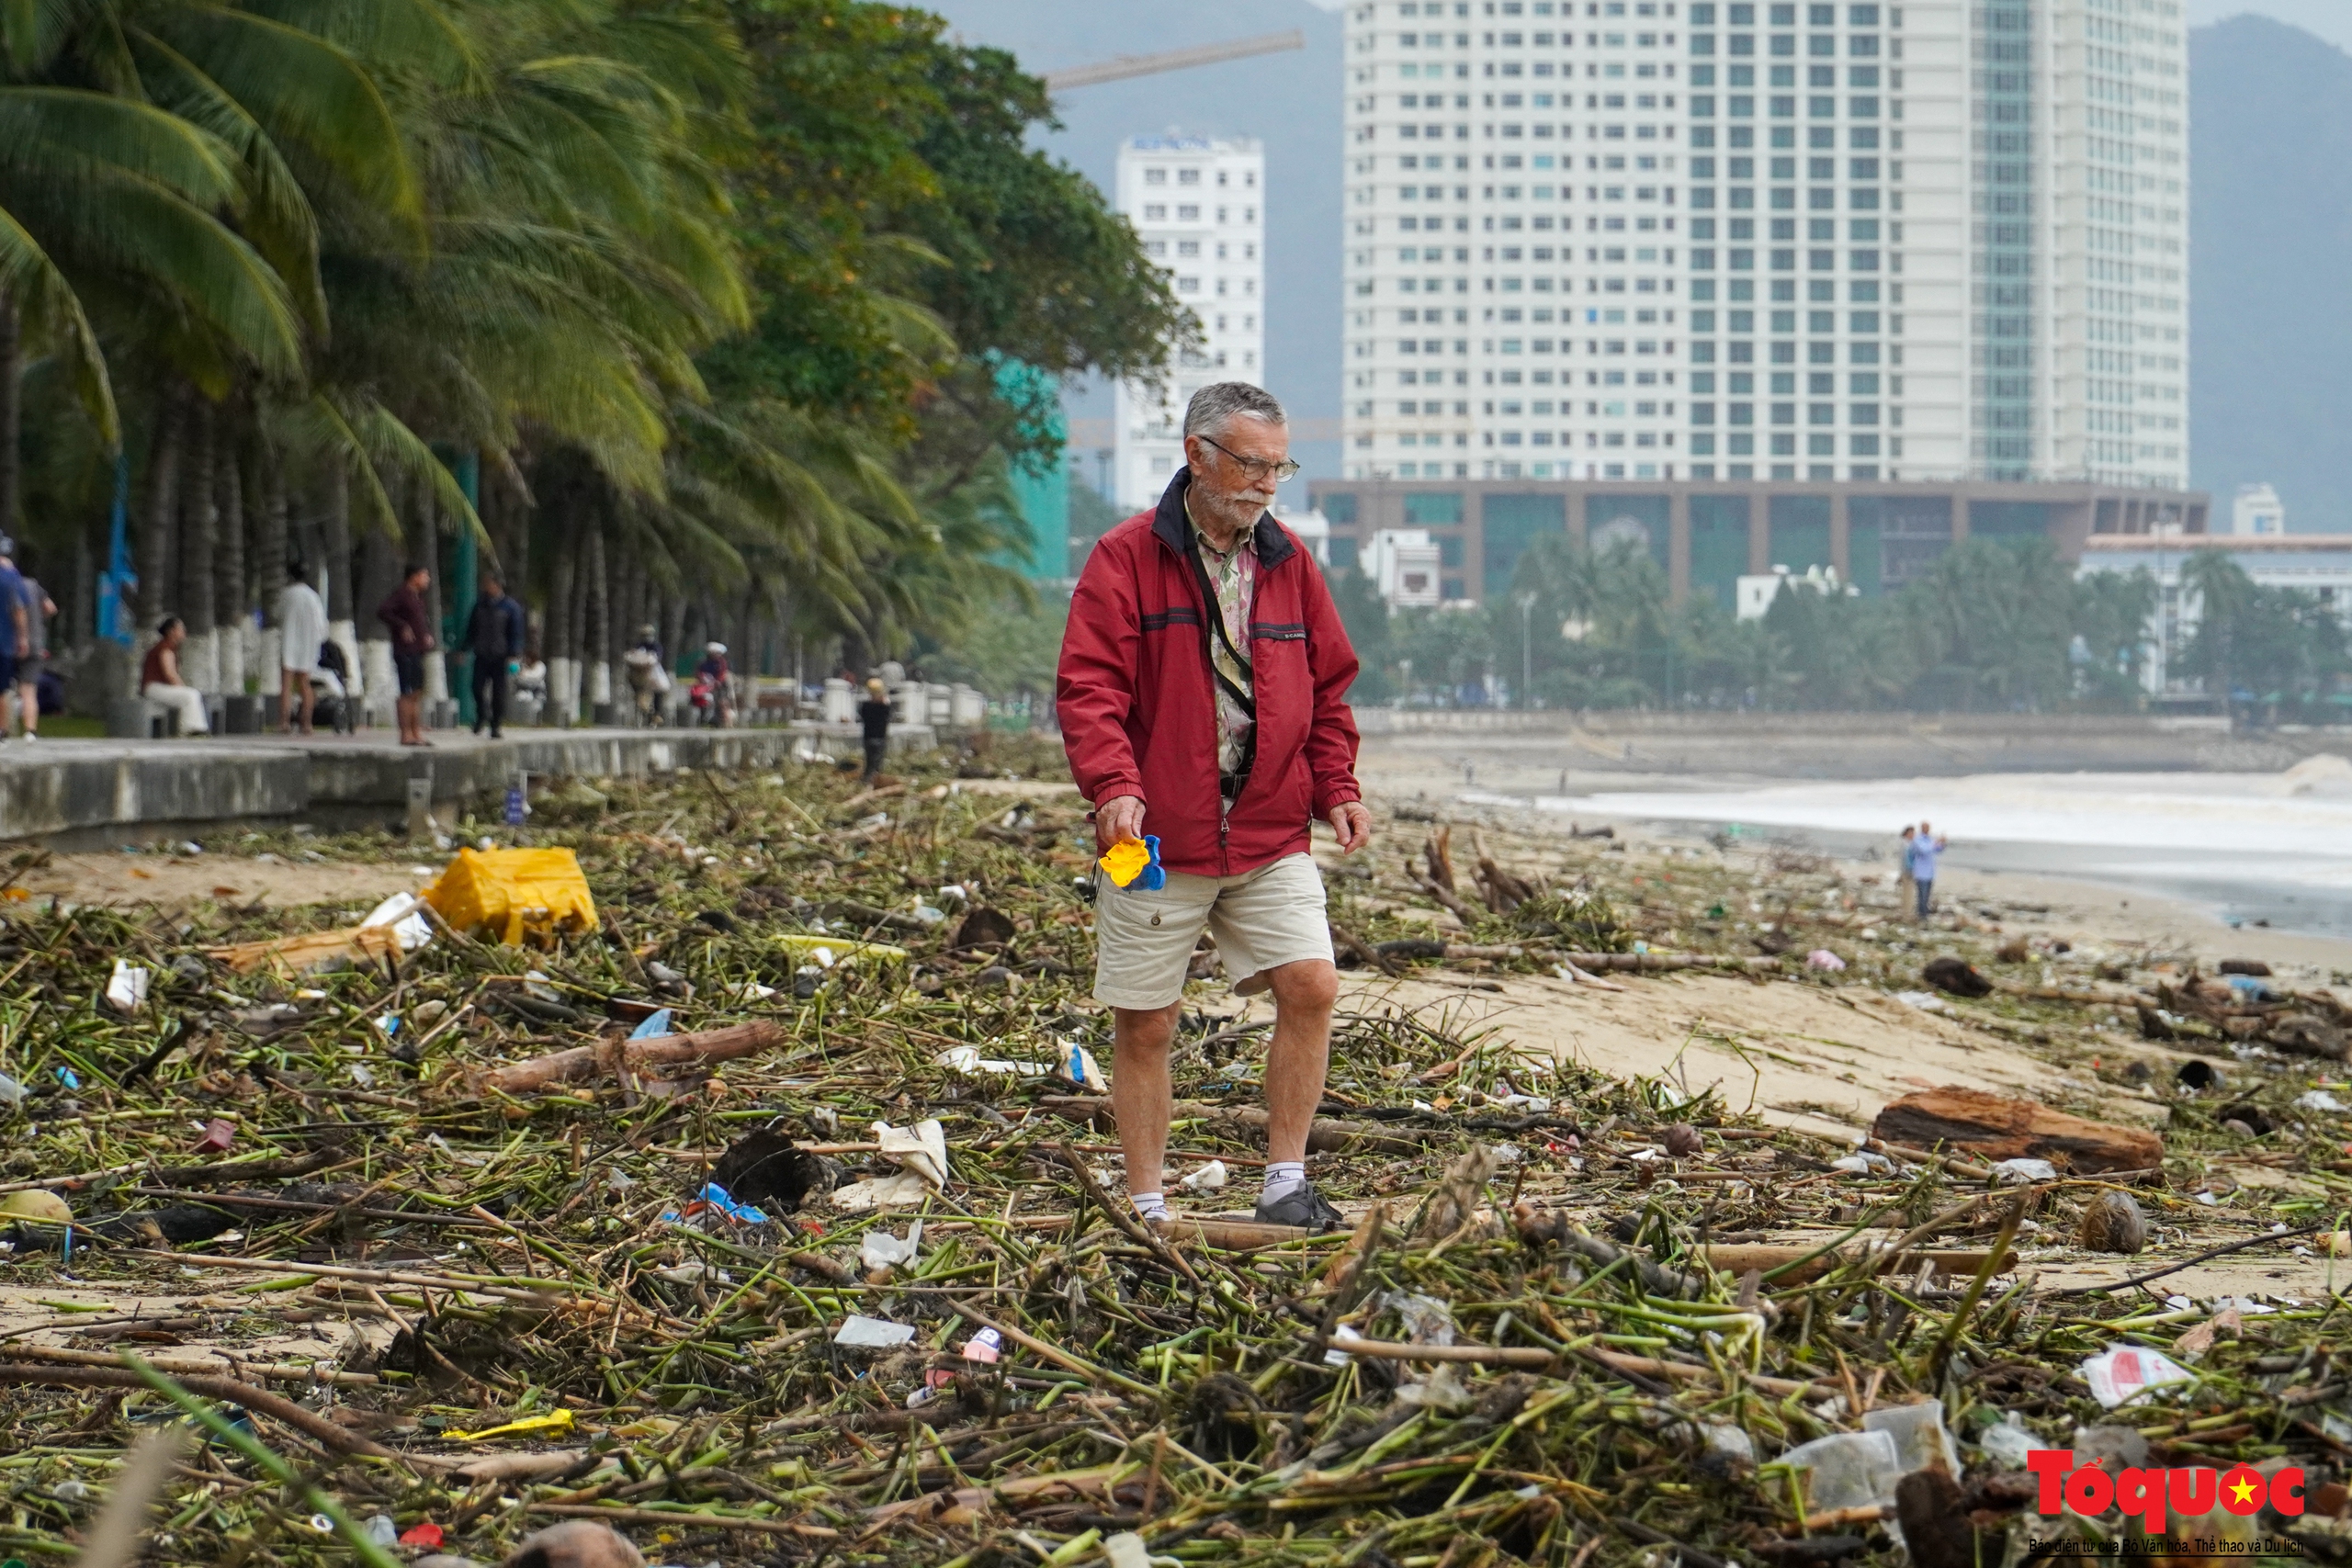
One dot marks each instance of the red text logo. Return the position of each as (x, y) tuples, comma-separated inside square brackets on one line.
[(2147, 1493)]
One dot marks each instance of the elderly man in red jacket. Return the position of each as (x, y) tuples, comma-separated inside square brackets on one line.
[(1202, 696)]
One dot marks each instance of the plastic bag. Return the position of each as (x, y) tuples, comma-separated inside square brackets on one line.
[(2125, 1373), (511, 892)]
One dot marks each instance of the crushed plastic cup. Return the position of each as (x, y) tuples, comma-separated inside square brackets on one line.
[(1208, 1179), (383, 1531), (404, 913), (2022, 1170), (1921, 1439), (1822, 958), (1848, 1469), (2123, 1374), (1126, 1550), (881, 1249), (2320, 1100), (859, 1332), (2008, 1442), (127, 986)]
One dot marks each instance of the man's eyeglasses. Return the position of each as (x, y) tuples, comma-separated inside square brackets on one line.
[(1256, 467)]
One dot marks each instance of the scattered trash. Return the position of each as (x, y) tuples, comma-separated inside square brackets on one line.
[(2320, 1100), (217, 1136), (2023, 1170), (827, 951), (2008, 1442), (1078, 1067), (37, 1203), (880, 1249), (1210, 1177), (1956, 977), (921, 1149), (1822, 958), (512, 893), (426, 1536), (127, 986), (863, 1333), (2113, 1223), (1135, 864), (2120, 1376), (555, 1423), (1846, 1470)]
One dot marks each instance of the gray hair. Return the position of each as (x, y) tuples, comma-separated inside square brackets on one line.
[(1219, 402)]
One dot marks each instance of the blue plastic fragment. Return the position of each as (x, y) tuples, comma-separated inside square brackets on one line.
[(653, 1028), (718, 1198), (69, 1078), (1153, 876)]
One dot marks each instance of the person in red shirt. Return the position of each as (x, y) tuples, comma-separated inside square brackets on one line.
[(1202, 699), (403, 613)]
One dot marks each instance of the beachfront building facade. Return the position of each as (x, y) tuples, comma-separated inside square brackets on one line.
[(2319, 563), (1673, 240), (1705, 535), (1198, 204)]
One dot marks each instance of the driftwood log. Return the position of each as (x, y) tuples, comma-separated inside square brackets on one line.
[(1994, 1128), (589, 1062)]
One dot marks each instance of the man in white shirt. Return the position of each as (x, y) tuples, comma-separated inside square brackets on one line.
[(302, 626)]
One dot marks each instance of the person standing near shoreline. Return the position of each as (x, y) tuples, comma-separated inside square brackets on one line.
[(1921, 855)]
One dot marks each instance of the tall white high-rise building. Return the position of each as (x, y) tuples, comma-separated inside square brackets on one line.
[(1716, 239), (1199, 205)]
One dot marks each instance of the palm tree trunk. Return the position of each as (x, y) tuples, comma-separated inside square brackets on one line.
[(155, 535), (599, 610), (200, 534), (11, 415), (232, 595), (271, 544)]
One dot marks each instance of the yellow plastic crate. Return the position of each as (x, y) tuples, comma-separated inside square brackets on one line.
[(514, 892)]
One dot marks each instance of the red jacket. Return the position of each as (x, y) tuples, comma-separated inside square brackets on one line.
[(1138, 706)]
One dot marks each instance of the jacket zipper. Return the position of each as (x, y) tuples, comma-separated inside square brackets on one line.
[(1208, 667)]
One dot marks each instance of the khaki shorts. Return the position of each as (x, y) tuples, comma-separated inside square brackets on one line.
[(1261, 920)]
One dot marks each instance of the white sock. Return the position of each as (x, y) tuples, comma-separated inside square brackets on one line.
[(1283, 1177), (1149, 1205)]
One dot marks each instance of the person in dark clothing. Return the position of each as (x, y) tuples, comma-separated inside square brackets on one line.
[(494, 636), (874, 717), (403, 613)]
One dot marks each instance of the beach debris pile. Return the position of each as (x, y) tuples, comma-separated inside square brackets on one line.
[(764, 1208)]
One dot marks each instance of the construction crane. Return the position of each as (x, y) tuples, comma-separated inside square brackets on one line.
[(1120, 67)]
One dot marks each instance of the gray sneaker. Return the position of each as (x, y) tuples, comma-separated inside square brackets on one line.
[(1303, 1206)]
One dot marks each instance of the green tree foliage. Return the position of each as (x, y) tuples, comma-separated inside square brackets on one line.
[(1994, 624), (2279, 647), (725, 296)]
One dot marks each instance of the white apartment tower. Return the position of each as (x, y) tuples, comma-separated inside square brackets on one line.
[(1198, 203), (1716, 239)]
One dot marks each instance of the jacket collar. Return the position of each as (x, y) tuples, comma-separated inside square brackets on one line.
[(1269, 539)]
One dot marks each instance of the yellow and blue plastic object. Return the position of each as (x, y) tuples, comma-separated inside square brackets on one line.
[(1134, 863)]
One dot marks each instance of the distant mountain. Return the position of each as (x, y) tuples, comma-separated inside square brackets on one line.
[(2270, 267), (1290, 102)]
